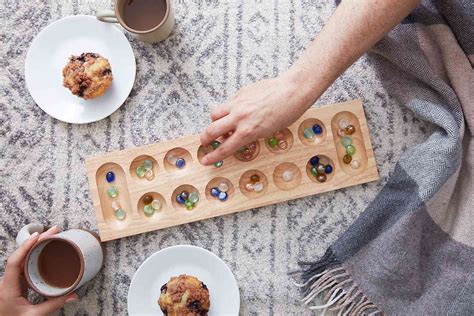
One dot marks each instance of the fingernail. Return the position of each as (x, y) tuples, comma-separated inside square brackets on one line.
[(72, 298), (205, 161), (53, 227), (34, 235)]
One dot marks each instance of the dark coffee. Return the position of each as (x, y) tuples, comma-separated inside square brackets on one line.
[(59, 264), (143, 15)]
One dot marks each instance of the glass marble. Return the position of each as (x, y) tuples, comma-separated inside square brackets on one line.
[(223, 187), (287, 175), (273, 142), (349, 130), (279, 135), (355, 164), (190, 207), (148, 164), (350, 150), (179, 199), (184, 195), (346, 141), (258, 187), (180, 163), (341, 132), (317, 129), (218, 164), (188, 203), (242, 149), (171, 159), (342, 123), (249, 187), (252, 147), (147, 199), (222, 196), (321, 177), (321, 168), (308, 133), (116, 205), (193, 197), (283, 144), (120, 214), (347, 159), (140, 171), (254, 178), (215, 144), (328, 169), (110, 176), (247, 154), (314, 160), (314, 171), (149, 175), (112, 192), (148, 210), (156, 204), (215, 192)]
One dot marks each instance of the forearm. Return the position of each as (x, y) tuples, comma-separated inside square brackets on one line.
[(353, 28)]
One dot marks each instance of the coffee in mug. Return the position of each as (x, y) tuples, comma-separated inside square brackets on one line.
[(143, 15), (61, 263)]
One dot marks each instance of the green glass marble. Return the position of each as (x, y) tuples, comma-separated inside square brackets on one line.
[(215, 144), (141, 171), (242, 149), (218, 164), (193, 197), (308, 133), (148, 164), (189, 207), (350, 150), (188, 203), (112, 192), (273, 142), (346, 141), (120, 214), (148, 210), (314, 171)]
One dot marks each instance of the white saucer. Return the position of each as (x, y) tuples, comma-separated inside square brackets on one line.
[(157, 269), (50, 52)]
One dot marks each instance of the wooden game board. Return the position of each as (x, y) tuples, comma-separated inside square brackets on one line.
[(268, 165)]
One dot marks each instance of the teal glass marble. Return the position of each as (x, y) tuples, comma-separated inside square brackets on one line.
[(346, 141), (218, 164), (308, 133), (148, 210), (148, 164), (140, 171), (120, 214), (112, 192), (350, 150)]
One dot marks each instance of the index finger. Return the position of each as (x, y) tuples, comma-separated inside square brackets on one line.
[(13, 269)]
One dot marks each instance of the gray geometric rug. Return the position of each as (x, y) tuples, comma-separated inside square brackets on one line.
[(216, 47)]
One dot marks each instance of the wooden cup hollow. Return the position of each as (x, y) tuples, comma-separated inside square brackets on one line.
[(214, 183), (278, 176), (288, 137), (245, 178), (177, 153), (324, 160), (138, 161), (141, 205), (188, 188), (317, 139)]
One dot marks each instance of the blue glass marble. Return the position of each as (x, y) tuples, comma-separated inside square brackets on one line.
[(215, 192), (328, 169), (110, 176), (314, 160), (317, 129), (180, 163), (222, 196), (179, 199), (184, 195)]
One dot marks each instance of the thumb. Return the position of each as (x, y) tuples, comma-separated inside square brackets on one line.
[(51, 305)]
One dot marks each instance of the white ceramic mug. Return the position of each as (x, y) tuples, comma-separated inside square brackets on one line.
[(158, 33), (85, 243)]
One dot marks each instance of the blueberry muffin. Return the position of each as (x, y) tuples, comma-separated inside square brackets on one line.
[(184, 295), (88, 76)]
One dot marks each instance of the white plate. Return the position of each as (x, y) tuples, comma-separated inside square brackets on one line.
[(49, 53), (155, 271)]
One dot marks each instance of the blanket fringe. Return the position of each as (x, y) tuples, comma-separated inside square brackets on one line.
[(328, 281)]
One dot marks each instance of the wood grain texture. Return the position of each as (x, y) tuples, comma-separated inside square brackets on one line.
[(167, 179)]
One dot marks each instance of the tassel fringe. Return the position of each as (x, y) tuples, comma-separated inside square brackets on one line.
[(328, 281)]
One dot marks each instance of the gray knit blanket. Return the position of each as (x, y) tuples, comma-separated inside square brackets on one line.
[(411, 252)]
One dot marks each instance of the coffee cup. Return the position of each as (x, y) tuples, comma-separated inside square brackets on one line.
[(61, 263), (150, 21)]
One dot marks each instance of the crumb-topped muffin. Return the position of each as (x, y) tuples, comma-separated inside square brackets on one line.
[(184, 295), (88, 76)]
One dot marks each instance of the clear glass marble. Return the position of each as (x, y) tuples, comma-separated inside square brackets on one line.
[(342, 123), (223, 187), (258, 187), (193, 197), (355, 164), (287, 175), (150, 175), (156, 204), (120, 214)]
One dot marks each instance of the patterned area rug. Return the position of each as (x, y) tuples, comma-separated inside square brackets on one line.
[(216, 48)]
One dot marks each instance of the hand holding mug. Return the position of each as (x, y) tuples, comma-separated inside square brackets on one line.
[(13, 288)]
